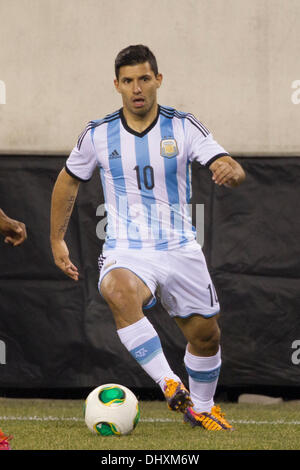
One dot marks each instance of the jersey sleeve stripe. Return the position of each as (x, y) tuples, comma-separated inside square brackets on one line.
[(196, 121), (219, 155), (171, 113), (203, 132), (96, 123), (167, 112), (83, 133), (75, 176)]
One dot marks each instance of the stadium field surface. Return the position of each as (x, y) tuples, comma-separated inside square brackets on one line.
[(55, 424)]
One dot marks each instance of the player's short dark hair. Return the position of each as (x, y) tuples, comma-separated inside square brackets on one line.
[(133, 55)]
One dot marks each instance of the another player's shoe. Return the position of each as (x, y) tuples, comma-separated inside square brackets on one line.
[(4, 441), (213, 421), (177, 396)]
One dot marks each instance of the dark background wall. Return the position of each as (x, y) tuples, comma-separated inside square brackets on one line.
[(60, 335)]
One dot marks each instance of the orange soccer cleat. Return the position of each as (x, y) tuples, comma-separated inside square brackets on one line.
[(177, 396), (213, 421)]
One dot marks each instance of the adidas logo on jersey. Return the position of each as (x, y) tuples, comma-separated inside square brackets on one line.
[(114, 154)]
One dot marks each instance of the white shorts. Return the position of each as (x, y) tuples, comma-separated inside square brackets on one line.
[(179, 278)]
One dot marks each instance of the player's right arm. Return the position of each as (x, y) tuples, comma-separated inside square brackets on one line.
[(79, 168), (63, 198)]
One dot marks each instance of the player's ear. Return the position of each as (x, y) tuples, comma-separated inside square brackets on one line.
[(116, 83), (159, 79)]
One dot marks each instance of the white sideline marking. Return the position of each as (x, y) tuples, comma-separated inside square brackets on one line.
[(143, 420)]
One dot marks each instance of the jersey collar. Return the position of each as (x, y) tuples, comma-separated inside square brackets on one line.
[(132, 131)]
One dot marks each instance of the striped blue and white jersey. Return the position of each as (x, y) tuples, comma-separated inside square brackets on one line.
[(146, 177)]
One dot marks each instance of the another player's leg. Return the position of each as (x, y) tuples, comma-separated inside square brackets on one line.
[(126, 294), (203, 363)]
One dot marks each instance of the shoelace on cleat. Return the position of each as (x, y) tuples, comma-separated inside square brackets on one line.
[(171, 387), (216, 411)]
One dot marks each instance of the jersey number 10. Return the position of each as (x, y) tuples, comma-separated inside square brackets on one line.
[(147, 175)]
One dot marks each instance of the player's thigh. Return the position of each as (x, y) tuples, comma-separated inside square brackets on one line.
[(124, 291), (189, 289), (202, 333)]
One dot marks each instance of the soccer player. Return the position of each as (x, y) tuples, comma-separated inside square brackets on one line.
[(15, 234), (13, 230), (143, 152)]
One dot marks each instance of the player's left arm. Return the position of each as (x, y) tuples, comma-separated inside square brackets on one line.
[(227, 171)]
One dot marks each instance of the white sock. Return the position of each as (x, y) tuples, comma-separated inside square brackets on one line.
[(203, 378), (143, 343)]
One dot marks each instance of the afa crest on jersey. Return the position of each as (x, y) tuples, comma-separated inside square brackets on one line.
[(168, 148)]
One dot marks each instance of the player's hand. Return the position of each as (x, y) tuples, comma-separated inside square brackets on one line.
[(226, 171), (62, 260), (13, 231)]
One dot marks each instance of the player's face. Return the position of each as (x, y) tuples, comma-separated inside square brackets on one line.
[(138, 86)]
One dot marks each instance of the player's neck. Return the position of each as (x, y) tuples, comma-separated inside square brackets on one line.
[(140, 123)]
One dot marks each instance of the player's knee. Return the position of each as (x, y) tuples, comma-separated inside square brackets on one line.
[(206, 343), (119, 295)]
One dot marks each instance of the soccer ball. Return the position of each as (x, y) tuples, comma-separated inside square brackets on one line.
[(111, 409)]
